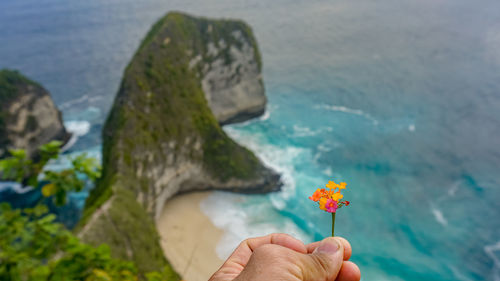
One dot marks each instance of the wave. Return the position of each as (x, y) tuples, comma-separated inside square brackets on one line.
[(243, 216), (82, 99), (490, 251), (299, 131), (266, 115), (347, 110), (15, 187), (438, 215), (73, 102), (323, 148), (240, 219), (454, 188), (77, 129), (275, 157), (459, 275)]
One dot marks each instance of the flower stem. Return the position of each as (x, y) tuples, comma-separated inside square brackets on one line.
[(333, 224)]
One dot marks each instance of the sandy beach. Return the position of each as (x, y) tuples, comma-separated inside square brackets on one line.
[(189, 238)]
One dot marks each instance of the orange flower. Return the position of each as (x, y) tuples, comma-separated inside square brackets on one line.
[(317, 194)]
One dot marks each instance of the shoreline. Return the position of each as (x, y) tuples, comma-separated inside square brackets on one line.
[(188, 237)]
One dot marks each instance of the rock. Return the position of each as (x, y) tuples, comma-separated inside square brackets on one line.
[(28, 116), (232, 79), (161, 137)]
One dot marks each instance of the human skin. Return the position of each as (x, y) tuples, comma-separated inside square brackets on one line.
[(280, 257)]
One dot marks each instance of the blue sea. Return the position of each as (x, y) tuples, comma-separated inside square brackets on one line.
[(400, 99)]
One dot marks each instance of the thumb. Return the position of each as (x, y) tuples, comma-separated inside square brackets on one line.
[(325, 261)]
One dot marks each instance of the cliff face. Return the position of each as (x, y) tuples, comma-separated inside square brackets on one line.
[(161, 137), (28, 116), (231, 77)]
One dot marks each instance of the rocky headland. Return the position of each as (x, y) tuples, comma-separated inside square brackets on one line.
[(28, 116), (163, 135)]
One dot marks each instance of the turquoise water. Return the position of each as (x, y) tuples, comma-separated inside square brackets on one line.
[(398, 98)]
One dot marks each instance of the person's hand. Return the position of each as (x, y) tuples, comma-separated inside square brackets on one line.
[(282, 257)]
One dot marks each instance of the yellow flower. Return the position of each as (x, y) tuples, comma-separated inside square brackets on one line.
[(322, 203), (342, 185), (331, 185), (337, 196)]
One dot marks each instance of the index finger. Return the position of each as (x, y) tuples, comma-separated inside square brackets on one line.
[(242, 254)]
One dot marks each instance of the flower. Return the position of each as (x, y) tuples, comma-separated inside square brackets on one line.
[(329, 201), (317, 194), (342, 185), (326, 198), (337, 196), (331, 185), (331, 205), (322, 203)]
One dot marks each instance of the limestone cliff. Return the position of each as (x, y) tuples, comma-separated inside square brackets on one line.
[(161, 137), (28, 116), (231, 76)]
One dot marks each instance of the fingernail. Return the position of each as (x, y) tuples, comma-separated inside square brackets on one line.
[(327, 246)]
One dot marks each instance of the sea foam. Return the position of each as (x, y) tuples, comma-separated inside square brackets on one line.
[(279, 159), (493, 251), (438, 215), (14, 186), (242, 217), (348, 111), (77, 129)]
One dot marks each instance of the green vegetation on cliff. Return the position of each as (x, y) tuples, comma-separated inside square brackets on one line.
[(161, 98), (10, 81)]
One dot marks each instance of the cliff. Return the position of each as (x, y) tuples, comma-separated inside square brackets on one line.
[(28, 116), (230, 68), (163, 137)]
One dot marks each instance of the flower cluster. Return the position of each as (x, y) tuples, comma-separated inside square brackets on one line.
[(330, 200)]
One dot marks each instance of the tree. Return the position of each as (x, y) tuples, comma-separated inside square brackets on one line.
[(33, 247)]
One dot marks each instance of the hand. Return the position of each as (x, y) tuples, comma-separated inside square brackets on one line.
[(282, 257)]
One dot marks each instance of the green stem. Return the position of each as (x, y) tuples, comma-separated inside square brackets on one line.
[(333, 224)]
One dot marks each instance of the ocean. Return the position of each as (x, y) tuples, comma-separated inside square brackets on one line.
[(400, 99)]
